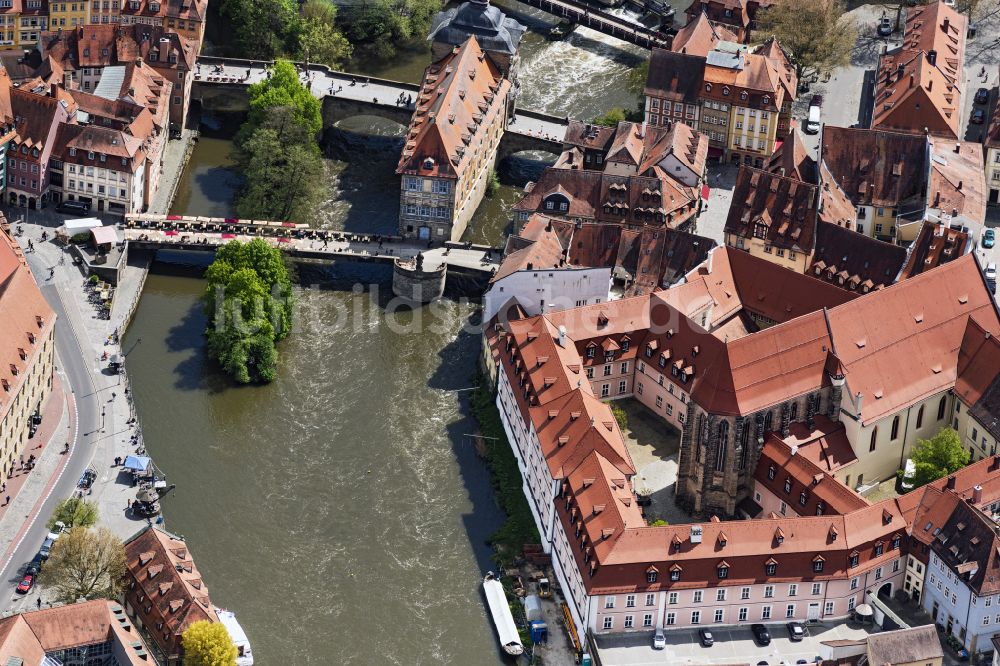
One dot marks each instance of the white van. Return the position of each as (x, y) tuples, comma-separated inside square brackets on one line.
[(812, 125), (909, 475)]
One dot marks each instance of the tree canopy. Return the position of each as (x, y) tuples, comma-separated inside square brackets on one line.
[(938, 456), (283, 89), (208, 644), (818, 34), (380, 26), (86, 563), (249, 299), (266, 29), (74, 512)]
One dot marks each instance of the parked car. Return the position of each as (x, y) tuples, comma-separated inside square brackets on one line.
[(796, 631), (982, 96), (978, 117), (35, 565), (705, 638), (989, 238), (46, 548), (817, 100), (73, 207), (57, 530), (761, 634), (991, 276), (27, 583), (812, 122), (884, 26), (659, 640)]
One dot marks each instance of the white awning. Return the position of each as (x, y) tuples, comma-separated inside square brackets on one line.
[(104, 235), (81, 224)]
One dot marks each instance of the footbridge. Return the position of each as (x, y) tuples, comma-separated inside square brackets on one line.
[(601, 21), (205, 234), (222, 82)]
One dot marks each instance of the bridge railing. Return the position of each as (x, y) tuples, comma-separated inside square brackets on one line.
[(243, 63)]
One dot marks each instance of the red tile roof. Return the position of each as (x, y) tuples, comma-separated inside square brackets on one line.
[(874, 167), (700, 36), (778, 209), (854, 261), (896, 365), (460, 94), (918, 87)]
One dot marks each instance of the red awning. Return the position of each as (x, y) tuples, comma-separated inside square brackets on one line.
[(284, 240), (174, 217), (704, 192), (228, 236), (288, 224), (231, 220)]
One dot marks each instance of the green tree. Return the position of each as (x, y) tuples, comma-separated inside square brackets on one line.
[(283, 88), (74, 512), (248, 297), (621, 416), (938, 456), (382, 25), (818, 34), (262, 28), (319, 39), (637, 77), (86, 563), (282, 180), (611, 118), (208, 644)]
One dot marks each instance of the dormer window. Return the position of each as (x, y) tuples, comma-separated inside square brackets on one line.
[(708, 87), (770, 472), (725, 90), (591, 351), (72, 152), (819, 508), (766, 100), (744, 96), (879, 548), (853, 562), (624, 346), (662, 361), (649, 351), (895, 542), (104, 158), (788, 485), (722, 570), (818, 563), (803, 498), (90, 154), (651, 575), (771, 568), (675, 573)]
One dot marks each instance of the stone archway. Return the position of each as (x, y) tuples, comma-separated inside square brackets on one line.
[(885, 592)]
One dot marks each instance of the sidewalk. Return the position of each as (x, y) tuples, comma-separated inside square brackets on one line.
[(111, 489), (28, 489)]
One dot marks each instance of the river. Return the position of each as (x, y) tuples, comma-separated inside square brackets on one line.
[(340, 511)]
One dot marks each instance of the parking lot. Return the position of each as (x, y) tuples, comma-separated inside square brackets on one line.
[(733, 645)]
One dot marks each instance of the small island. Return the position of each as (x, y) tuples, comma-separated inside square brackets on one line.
[(249, 302)]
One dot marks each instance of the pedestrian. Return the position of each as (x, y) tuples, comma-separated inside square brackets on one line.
[(38, 603), (128, 505), (8, 501)]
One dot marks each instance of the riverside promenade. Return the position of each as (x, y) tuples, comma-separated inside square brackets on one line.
[(95, 419)]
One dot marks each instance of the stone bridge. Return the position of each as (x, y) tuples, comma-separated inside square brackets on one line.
[(221, 85)]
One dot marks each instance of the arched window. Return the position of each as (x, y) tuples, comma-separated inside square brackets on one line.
[(895, 427), (720, 458), (920, 416), (941, 406), (871, 445), (745, 445), (767, 422), (795, 411)]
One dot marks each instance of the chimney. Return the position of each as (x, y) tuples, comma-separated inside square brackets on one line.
[(858, 400), (562, 336), (945, 24), (530, 266), (911, 80), (977, 494), (959, 187), (899, 70), (932, 57), (950, 485), (958, 146)]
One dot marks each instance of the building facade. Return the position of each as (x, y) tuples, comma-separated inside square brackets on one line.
[(26, 335)]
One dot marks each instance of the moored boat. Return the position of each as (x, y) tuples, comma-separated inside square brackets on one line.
[(496, 598)]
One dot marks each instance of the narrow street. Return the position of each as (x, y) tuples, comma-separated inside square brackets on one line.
[(98, 418)]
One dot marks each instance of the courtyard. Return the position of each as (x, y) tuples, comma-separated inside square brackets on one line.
[(654, 444)]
